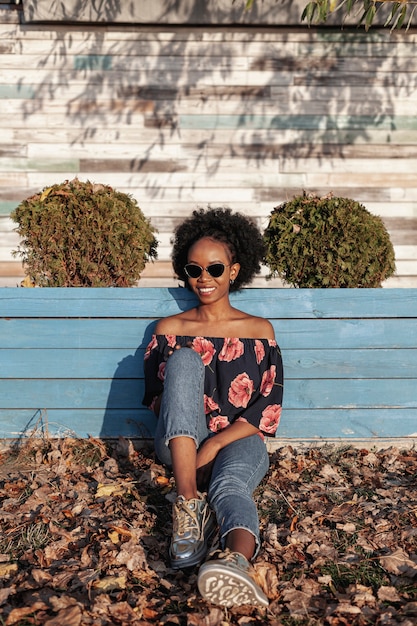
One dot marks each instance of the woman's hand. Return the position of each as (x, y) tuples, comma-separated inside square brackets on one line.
[(207, 453), (206, 456)]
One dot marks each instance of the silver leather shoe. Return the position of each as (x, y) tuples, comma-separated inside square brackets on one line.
[(228, 579), (193, 525)]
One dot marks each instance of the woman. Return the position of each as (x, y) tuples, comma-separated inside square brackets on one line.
[(213, 375)]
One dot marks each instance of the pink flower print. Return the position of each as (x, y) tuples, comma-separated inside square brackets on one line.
[(204, 348), (240, 390), (171, 340), (268, 380), (272, 343), (232, 349), (161, 371), (270, 418), (151, 345), (218, 423), (259, 351), (210, 405)]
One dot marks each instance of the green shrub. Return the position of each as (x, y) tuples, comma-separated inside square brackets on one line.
[(328, 242), (79, 234)]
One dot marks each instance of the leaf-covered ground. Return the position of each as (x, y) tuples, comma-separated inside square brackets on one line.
[(85, 529)]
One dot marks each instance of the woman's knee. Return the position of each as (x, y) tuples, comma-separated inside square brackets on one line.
[(185, 359)]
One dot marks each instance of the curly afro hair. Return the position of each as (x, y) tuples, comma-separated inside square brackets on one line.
[(237, 231)]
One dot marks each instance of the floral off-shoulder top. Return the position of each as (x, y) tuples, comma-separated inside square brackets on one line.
[(243, 378)]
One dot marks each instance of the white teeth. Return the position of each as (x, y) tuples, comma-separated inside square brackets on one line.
[(206, 290)]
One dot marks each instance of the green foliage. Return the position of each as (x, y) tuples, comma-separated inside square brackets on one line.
[(318, 11), (362, 570), (78, 234), (328, 242)]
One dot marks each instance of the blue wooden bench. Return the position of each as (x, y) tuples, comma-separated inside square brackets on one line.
[(71, 360)]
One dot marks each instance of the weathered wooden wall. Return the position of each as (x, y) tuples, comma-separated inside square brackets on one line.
[(189, 116)]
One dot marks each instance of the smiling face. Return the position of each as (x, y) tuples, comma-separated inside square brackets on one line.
[(206, 252)]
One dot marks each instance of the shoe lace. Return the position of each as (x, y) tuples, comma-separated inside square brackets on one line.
[(186, 519), (231, 557)]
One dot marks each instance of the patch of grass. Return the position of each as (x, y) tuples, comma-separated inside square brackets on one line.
[(309, 475), (364, 492), (271, 510), (335, 497), (343, 542), (28, 454), (176, 607), (299, 621), (408, 591), (34, 536), (365, 572), (86, 452)]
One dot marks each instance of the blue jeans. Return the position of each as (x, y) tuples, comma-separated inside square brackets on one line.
[(238, 468)]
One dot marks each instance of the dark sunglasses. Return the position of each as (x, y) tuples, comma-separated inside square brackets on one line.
[(215, 270)]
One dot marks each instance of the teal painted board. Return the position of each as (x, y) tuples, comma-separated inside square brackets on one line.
[(71, 393), (79, 423), (127, 393), (75, 333), (296, 122), (93, 62), (349, 423), (148, 302), (76, 302), (122, 363), (58, 363), (7, 206), (295, 423), (17, 92), (134, 333), (348, 364), (39, 165), (350, 393), (346, 333)]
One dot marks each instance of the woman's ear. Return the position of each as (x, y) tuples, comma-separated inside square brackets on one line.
[(234, 271)]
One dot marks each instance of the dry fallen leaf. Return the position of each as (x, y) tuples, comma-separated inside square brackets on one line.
[(162, 481), (110, 583), (107, 490), (70, 616), (17, 615), (7, 569), (388, 594), (398, 563)]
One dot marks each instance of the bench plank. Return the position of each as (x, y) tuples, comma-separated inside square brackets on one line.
[(121, 363), (296, 424), (156, 302), (122, 393), (298, 333)]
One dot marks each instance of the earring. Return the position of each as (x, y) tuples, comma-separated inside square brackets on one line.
[(231, 281)]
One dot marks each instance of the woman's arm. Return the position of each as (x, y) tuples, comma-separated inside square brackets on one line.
[(211, 447)]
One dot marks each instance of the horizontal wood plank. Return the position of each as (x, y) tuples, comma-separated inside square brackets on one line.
[(303, 425), (104, 363), (283, 303), (350, 423), (127, 393), (134, 333)]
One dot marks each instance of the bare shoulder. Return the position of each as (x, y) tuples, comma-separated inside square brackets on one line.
[(261, 328), (165, 325), (171, 325)]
